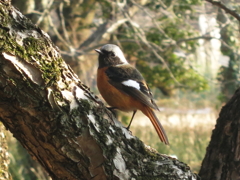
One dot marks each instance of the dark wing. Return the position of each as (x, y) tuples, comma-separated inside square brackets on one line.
[(119, 74)]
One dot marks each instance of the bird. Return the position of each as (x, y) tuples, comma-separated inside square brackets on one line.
[(123, 87)]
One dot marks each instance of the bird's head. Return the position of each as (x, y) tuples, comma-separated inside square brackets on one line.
[(110, 55)]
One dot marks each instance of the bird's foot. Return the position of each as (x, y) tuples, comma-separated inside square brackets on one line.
[(111, 108), (128, 129)]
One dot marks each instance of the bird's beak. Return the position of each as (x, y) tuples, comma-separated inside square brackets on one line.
[(98, 51)]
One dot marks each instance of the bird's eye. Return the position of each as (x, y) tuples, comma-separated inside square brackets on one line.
[(112, 54)]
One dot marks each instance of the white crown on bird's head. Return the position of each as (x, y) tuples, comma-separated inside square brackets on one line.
[(116, 50)]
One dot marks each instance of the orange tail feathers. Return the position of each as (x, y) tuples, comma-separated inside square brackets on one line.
[(156, 123)]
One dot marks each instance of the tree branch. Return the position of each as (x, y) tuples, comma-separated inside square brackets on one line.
[(225, 8)]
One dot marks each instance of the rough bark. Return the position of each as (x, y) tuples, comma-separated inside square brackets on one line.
[(222, 160), (4, 158), (59, 121)]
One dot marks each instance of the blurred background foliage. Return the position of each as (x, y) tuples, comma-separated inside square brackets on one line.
[(187, 50)]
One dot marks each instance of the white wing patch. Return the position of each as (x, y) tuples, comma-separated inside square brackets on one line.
[(132, 83)]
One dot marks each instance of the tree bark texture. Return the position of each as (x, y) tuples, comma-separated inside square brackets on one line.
[(4, 158), (59, 121), (222, 160)]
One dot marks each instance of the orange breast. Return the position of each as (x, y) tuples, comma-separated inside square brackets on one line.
[(113, 96)]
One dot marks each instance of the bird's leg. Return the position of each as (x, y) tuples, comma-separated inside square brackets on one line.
[(134, 112)]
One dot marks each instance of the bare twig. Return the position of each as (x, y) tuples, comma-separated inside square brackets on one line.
[(57, 33), (152, 18), (225, 8), (96, 36), (141, 35), (45, 12), (63, 22), (114, 26)]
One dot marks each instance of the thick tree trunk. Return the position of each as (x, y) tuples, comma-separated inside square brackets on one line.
[(59, 121), (222, 160)]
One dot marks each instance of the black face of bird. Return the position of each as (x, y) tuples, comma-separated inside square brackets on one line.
[(110, 55)]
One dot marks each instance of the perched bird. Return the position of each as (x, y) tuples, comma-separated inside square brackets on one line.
[(123, 87)]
